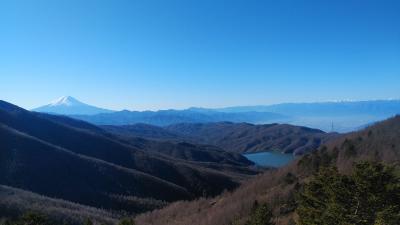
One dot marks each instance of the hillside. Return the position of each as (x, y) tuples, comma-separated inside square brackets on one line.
[(233, 137), (244, 137), (72, 160), (144, 131), (14, 202), (56, 172), (176, 147), (380, 142)]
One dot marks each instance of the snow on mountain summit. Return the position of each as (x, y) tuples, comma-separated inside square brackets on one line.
[(68, 105), (66, 100)]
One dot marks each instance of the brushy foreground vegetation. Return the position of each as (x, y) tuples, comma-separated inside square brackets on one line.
[(36, 218), (369, 196)]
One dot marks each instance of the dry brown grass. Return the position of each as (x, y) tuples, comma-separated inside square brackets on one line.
[(15, 202), (230, 206)]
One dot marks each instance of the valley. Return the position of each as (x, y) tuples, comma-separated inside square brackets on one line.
[(154, 112), (278, 188), (82, 170), (63, 158)]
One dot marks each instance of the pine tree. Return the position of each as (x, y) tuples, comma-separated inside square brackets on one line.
[(126, 221), (370, 196), (261, 215), (32, 218), (88, 222)]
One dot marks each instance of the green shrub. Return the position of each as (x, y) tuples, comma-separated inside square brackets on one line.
[(126, 221), (261, 215)]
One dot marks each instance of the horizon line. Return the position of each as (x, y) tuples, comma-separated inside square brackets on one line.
[(231, 106)]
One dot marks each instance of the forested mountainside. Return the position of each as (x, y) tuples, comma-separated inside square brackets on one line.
[(16, 202), (75, 161), (279, 189), (233, 137), (245, 137)]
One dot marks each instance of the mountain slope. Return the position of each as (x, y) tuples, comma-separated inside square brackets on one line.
[(68, 105), (15, 202), (144, 131), (244, 137), (177, 149), (64, 158), (57, 172), (233, 137), (380, 142)]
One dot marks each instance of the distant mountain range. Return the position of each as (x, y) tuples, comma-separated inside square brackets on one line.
[(342, 116), (337, 108), (169, 117), (68, 105)]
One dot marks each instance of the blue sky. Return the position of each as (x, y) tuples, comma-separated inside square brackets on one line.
[(211, 53)]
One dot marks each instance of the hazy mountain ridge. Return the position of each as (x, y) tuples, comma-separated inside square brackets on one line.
[(336, 108), (168, 117), (339, 116)]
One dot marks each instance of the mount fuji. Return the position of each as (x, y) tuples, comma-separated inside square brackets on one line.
[(68, 105)]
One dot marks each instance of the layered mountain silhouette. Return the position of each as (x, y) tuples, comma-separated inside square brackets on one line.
[(63, 158), (68, 105), (341, 116), (168, 117)]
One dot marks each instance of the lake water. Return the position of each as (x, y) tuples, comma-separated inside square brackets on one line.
[(269, 159)]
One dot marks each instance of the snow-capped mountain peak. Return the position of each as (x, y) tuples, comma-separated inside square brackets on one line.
[(66, 100), (68, 105)]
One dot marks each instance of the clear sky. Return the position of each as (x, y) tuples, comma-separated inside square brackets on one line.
[(174, 54)]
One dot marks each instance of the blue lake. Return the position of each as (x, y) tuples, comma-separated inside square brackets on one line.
[(269, 159)]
